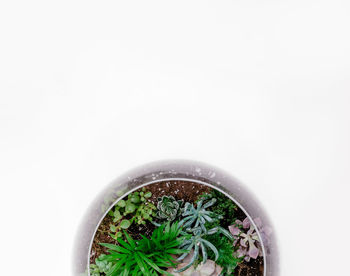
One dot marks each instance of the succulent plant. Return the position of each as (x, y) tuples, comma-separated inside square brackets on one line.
[(135, 209), (169, 208), (194, 223), (265, 232), (198, 216), (100, 267), (210, 268), (246, 239), (148, 256), (227, 259), (196, 242)]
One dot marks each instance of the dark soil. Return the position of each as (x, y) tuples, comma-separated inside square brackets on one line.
[(145, 229), (253, 268), (185, 190), (102, 235)]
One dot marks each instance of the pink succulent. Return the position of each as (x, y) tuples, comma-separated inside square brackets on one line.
[(249, 242)]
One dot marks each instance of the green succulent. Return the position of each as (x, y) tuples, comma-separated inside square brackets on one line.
[(195, 222), (198, 241), (134, 209), (223, 206), (227, 259), (198, 216), (169, 208), (100, 266), (148, 256)]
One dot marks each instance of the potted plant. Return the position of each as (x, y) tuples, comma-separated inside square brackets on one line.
[(176, 218)]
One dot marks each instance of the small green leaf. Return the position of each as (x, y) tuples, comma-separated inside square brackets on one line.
[(113, 228), (135, 199), (130, 207), (125, 224)]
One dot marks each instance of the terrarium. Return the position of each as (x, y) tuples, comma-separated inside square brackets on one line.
[(176, 218)]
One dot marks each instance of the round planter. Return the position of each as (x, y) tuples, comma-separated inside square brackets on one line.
[(170, 171)]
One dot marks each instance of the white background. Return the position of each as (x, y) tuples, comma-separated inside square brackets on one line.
[(90, 89)]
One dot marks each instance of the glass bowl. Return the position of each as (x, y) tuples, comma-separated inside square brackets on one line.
[(175, 170)]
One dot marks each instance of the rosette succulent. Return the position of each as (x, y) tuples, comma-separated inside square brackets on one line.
[(198, 216), (247, 240), (169, 208)]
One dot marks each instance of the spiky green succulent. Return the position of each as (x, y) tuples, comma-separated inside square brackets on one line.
[(199, 242), (169, 208), (195, 223), (198, 216), (148, 256)]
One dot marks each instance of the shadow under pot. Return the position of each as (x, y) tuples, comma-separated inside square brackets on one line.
[(176, 218)]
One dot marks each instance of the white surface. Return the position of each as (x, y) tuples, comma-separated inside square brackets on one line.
[(90, 89)]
